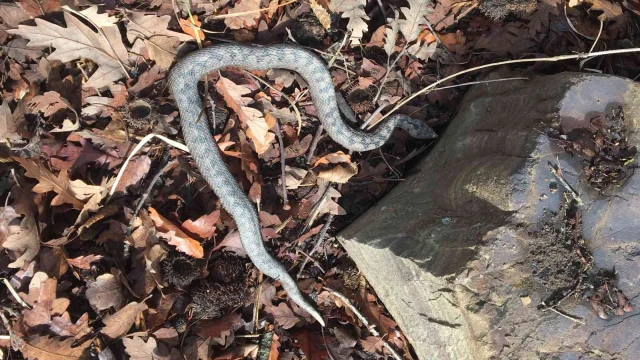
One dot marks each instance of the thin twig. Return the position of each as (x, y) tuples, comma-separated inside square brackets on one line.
[(364, 321), (500, 63), (319, 241), (285, 201), (256, 304), (144, 196), (570, 317), (15, 294), (314, 144), (557, 171)]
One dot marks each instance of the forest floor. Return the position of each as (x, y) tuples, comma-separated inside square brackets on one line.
[(157, 269)]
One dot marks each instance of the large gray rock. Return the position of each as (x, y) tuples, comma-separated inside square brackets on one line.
[(450, 251)]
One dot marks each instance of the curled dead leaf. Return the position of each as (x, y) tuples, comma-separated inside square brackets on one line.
[(336, 167), (176, 236)]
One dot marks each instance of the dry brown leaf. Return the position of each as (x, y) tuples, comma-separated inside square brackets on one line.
[(84, 262), (49, 103), (10, 122), (76, 41), (610, 10), (140, 350), (336, 167), (18, 50), (294, 176), (152, 31), (252, 118), (52, 348), (104, 293), (49, 182), (204, 226), (134, 172), (119, 323), (183, 242), (40, 314), (414, 18), (193, 30), (283, 315), (354, 11), (243, 20), (26, 240), (7, 216), (35, 9), (321, 13)]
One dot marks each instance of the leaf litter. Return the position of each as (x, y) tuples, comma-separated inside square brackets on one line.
[(158, 270)]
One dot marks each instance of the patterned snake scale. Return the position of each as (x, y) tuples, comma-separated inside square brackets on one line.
[(183, 83)]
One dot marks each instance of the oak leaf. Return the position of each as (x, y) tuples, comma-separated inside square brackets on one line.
[(77, 41), (610, 10), (204, 226), (84, 262), (134, 172), (245, 18), (49, 182), (415, 17), (283, 315), (119, 323), (321, 13), (138, 349), (17, 49), (25, 239), (193, 29), (153, 32), (104, 293), (336, 167), (354, 11), (39, 8), (183, 242), (252, 118), (10, 122), (52, 348)]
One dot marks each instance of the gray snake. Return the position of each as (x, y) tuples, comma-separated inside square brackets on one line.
[(183, 83)]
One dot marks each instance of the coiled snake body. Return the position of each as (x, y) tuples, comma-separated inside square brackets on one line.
[(183, 83)]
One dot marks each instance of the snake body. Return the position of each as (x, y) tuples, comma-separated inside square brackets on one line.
[(183, 83)]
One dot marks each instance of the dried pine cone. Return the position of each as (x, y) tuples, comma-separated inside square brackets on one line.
[(351, 276), (210, 301), (179, 269), (227, 269), (360, 98)]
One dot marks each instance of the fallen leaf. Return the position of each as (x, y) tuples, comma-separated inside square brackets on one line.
[(52, 348), (243, 20), (49, 182), (354, 11), (321, 13), (35, 9), (18, 50), (336, 167), (119, 323), (610, 10), (140, 350), (415, 17), (176, 236), (83, 191), (294, 176), (76, 41), (283, 315), (26, 240), (204, 226), (84, 262), (192, 29), (10, 122), (134, 172), (49, 103), (152, 30), (104, 293), (252, 118)]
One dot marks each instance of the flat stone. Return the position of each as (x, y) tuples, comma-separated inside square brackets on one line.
[(450, 252)]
